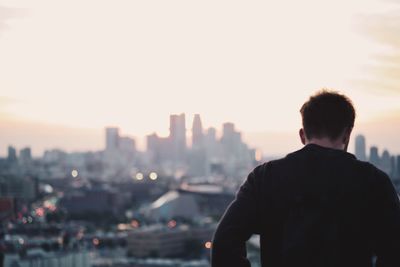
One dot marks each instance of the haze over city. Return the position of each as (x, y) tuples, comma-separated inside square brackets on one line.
[(70, 69), (147, 133)]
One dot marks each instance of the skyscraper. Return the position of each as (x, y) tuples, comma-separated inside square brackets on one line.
[(12, 154), (197, 133), (211, 144), (127, 145), (229, 139), (177, 134), (360, 148), (393, 167), (374, 156), (25, 155), (112, 139), (385, 164)]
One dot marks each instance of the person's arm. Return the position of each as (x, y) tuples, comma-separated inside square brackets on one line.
[(386, 223), (239, 222)]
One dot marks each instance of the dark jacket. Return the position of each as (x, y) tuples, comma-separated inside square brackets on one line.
[(317, 207)]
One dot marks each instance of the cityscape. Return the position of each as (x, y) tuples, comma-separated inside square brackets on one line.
[(127, 128), (121, 206), (125, 207)]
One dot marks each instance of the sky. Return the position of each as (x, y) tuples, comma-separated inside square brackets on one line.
[(70, 68)]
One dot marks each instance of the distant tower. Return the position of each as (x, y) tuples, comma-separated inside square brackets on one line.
[(197, 132), (385, 163), (393, 167), (360, 148), (127, 145), (112, 139), (12, 154), (25, 155), (177, 135), (374, 156), (228, 129), (228, 137)]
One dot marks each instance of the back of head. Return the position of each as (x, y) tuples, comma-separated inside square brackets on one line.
[(327, 114)]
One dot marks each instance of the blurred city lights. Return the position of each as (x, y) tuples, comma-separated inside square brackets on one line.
[(208, 245), (135, 224), (39, 212), (153, 176), (172, 224), (74, 173), (80, 235), (139, 176), (96, 241)]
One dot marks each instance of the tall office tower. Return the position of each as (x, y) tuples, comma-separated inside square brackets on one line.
[(197, 133), (12, 154), (127, 145), (385, 162), (210, 142), (211, 135), (228, 130), (374, 156), (360, 148), (229, 138), (393, 167), (177, 135), (112, 139), (25, 155)]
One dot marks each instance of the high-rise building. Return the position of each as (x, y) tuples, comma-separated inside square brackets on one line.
[(385, 164), (177, 136), (374, 156), (112, 139), (12, 154), (25, 155), (393, 167), (228, 129), (360, 149), (127, 145), (230, 139), (211, 144), (211, 135), (197, 133)]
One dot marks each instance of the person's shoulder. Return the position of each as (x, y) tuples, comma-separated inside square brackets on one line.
[(268, 166), (369, 169), (375, 177)]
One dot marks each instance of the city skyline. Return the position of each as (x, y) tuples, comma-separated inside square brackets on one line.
[(131, 132), (195, 125)]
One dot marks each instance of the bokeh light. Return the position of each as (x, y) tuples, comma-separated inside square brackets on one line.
[(74, 173), (153, 176)]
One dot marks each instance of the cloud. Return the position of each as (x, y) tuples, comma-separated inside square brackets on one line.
[(384, 71)]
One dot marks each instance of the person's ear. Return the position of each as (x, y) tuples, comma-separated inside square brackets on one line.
[(302, 136), (346, 136)]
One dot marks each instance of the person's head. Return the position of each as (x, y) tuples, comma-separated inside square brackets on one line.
[(328, 119)]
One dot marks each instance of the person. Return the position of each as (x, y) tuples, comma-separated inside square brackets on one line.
[(317, 207)]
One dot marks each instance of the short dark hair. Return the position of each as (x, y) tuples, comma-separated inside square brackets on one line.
[(327, 114)]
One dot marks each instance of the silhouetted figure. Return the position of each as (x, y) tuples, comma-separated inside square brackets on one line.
[(318, 206)]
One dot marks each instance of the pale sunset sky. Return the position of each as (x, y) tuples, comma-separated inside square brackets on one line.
[(70, 68)]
